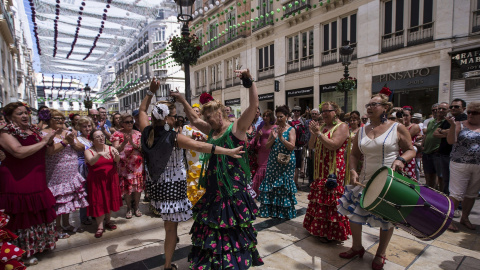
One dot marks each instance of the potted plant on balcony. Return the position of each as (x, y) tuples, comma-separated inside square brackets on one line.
[(186, 49), (346, 84)]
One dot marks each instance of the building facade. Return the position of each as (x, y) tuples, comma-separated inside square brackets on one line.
[(17, 81), (398, 43), (144, 58)]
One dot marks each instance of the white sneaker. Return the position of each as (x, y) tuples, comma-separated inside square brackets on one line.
[(457, 213)]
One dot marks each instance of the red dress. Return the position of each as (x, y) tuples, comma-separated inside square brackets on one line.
[(410, 167), (103, 187), (26, 198), (322, 218)]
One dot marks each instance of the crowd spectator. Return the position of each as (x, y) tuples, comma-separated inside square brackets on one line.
[(116, 122), (23, 181), (315, 116), (127, 141), (43, 121), (354, 122), (298, 123), (84, 127), (103, 187), (431, 158), (414, 131), (252, 151), (74, 117), (277, 191), (136, 117), (465, 162), (104, 117), (100, 124), (330, 141), (364, 119), (257, 121), (260, 143), (430, 117)]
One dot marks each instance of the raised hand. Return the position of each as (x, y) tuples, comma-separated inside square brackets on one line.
[(154, 85), (115, 152), (70, 138), (275, 133), (49, 136), (243, 72), (237, 152), (450, 120), (177, 95)]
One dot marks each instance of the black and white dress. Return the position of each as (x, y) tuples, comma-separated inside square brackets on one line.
[(166, 176)]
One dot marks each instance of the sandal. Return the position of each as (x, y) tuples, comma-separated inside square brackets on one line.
[(453, 228), (129, 214), (70, 228), (63, 235), (109, 225), (172, 266), (30, 261), (138, 213), (99, 233), (467, 224)]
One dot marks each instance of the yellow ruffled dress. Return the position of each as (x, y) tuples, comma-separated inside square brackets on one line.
[(194, 193)]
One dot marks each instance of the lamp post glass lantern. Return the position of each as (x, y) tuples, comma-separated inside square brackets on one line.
[(346, 52), (185, 10), (87, 102)]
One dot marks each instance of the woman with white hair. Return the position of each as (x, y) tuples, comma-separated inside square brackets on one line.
[(166, 175), (465, 162)]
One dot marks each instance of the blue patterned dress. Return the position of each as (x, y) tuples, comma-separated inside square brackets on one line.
[(277, 191)]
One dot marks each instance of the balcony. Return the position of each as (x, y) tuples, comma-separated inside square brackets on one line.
[(296, 7), (420, 34), (393, 41), (329, 57), (6, 24), (266, 73), (218, 85), (476, 21), (261, 23), (230, 36), (292, 66), (212, 86), (306, 62)]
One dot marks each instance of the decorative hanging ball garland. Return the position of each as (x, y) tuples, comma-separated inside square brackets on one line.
[(55, 27), (35, 27), (79, 24), (100, 30)]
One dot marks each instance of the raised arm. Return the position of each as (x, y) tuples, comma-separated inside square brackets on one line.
[(338, 137), (191, 114), (13, 146), (142, 114), (452, 133), (188, 143), (248, 115)]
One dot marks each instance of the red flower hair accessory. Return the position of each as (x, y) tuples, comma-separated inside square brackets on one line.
[(386, 91), (71, 116), (205, 98)]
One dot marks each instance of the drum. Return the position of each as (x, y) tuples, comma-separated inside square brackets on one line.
[(418, 209)]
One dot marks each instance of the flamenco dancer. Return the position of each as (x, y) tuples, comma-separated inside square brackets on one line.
[(166, 175), (222, 233), (330, 143), (379, 136)]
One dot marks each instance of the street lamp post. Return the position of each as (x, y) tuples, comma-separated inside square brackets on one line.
[(87, 102), (185, 9), (346, 52)]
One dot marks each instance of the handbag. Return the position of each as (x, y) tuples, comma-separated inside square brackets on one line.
[(283, 158)]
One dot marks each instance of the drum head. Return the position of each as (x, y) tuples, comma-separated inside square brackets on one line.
[(375, 187)]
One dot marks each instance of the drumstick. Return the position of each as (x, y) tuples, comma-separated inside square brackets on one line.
[(362, 185)]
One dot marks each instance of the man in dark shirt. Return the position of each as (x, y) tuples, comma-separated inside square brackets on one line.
[(457, 108)]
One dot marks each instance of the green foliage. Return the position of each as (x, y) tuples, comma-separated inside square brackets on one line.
[(186, 49)]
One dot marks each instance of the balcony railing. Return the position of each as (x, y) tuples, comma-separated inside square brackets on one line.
[(354, 54), (296, 7), (233, 34), (306, 62), (292, 66), (329, 57), (393, 41), (476, 21), (420, 34), (212, 86), (266, 73), (9, 20), (261, 23)]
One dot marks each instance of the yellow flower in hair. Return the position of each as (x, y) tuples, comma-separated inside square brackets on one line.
[(196, 105)]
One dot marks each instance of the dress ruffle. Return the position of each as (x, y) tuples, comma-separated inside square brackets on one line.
[(322, 218), (223, 236), (179, 210), (349, 206), (194, 193), (258, 179), (34, 208), (277, 197), (37, 238), (131, 184), (69, 196)]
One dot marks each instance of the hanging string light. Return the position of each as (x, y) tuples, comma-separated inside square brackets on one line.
[(100, 30)]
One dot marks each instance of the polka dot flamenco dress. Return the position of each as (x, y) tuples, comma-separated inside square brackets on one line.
[(277, 191), (322, 218), (223, 236)]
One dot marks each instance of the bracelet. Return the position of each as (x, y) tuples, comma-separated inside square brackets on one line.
[(62, 143), (246, 82), (402, 160), (213, 148), (150, 93)]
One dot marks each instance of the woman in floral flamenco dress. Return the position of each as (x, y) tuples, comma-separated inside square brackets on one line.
[(277, 191), (223, 235), (194, 192), (330, 141)]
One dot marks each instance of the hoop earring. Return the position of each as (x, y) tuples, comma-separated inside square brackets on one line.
[(166, 127)]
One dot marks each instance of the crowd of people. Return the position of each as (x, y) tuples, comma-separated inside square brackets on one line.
[(223, 171)]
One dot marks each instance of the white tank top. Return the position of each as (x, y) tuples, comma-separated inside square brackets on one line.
[(381, 151)]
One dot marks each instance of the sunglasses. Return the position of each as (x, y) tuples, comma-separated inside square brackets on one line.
[(327, 111), (295, 111), (455, 107), (364, 118), (473, 112), (58, 119), (128, 122), (373, 104), (174, 116), (434, 110), (442, 109)]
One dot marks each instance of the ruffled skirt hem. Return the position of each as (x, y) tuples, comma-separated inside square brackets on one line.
[(36, 239), (349, 206)]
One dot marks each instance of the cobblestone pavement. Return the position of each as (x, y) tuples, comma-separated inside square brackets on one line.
[(283, 244)]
